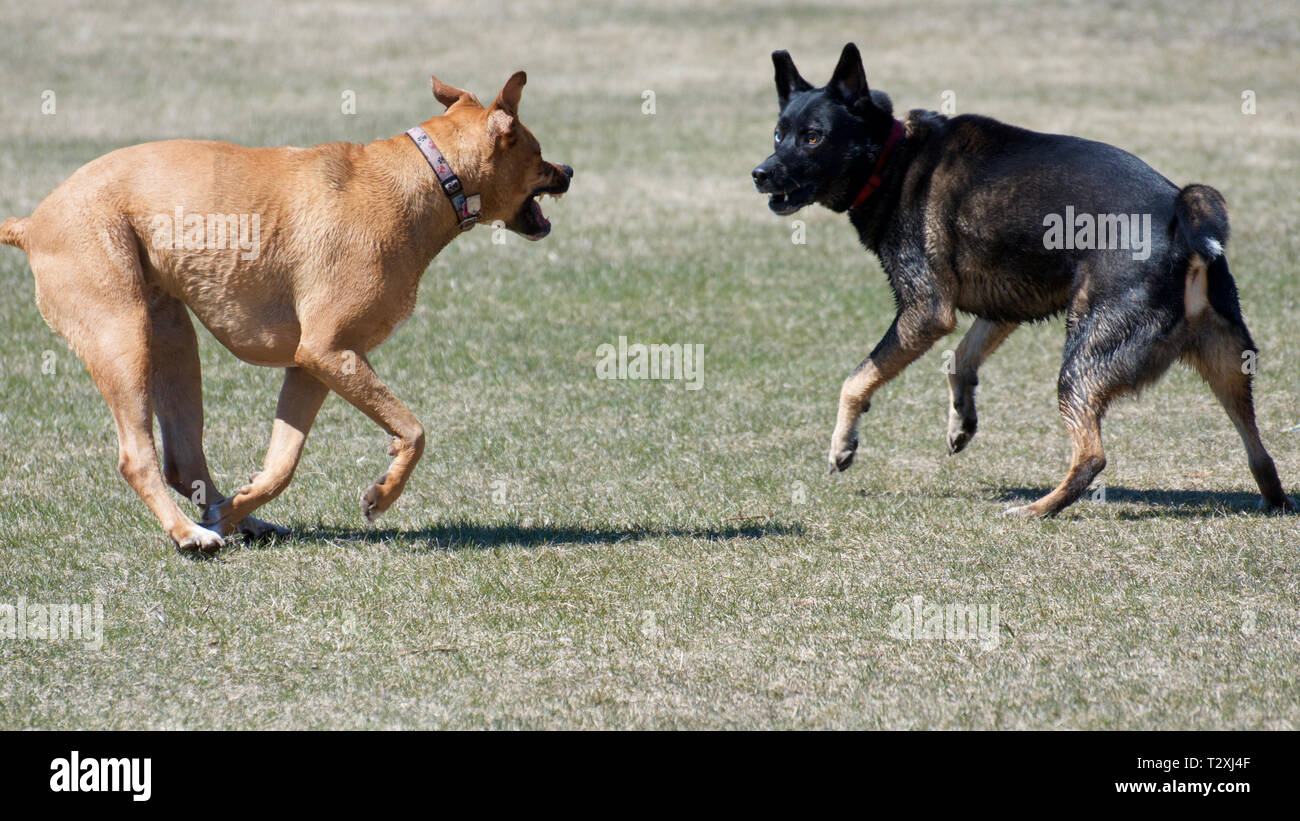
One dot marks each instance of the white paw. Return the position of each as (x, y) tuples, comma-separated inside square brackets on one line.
[(1022, 512), (200, 540)]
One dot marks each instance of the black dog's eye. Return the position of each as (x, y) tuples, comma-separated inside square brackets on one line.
[(813, 137), (776, 137)]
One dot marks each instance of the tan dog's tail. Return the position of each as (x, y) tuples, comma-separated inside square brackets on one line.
[(13, 231)]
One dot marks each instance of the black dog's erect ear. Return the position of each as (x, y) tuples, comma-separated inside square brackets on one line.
[(881, 101), (788, 80), (849, 82)]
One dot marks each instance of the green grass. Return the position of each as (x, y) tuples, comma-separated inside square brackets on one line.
[(663, 557)]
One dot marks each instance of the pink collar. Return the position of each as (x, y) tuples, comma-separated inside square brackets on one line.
[(467, 206)]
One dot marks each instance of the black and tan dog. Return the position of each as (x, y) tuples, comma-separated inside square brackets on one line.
[(969, 214), (341, 235)]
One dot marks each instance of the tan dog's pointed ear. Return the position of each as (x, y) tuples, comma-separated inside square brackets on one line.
[(499, 123), (508, 99), (450, 95)]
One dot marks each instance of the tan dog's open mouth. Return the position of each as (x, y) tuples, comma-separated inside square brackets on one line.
[(530, 222)]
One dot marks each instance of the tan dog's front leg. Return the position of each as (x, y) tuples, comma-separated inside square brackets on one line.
[(300, 400), (349, 374)]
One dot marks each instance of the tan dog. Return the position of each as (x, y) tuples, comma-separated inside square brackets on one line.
[(331, 244)]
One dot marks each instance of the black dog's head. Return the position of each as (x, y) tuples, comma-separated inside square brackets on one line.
[(827, 139)]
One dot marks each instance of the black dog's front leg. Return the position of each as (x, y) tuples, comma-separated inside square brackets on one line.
[(914, 330), (980, 341)]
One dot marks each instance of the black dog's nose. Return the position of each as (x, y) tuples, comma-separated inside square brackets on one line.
[(761, 175), (568, 170)]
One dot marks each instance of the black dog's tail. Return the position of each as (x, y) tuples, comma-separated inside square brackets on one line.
[(1202, 217), (1203, 220)]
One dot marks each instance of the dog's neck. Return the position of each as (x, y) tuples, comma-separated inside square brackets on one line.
[(468, 206), (429, 219), (451, 143), (876, 179), (858, 189), (871, 215)]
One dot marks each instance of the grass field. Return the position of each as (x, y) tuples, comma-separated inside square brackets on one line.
[(579, 552)]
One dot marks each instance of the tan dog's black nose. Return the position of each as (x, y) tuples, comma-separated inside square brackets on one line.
[(560, 184)]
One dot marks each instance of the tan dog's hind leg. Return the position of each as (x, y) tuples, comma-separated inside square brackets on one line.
[(349, 374), (178, 404), (977, 345), (300, 400), (123, 380), (97, 302)]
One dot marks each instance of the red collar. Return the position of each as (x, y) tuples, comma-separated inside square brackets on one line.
[(895, 134)]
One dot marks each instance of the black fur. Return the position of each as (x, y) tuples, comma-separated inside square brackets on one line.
[(960, 223)]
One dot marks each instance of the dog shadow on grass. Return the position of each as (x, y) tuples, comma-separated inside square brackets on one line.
[(470, 535), (1188, 504)]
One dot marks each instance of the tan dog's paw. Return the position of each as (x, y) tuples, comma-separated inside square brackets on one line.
[(199, 540), (258, 530), (370, 504), (1024, 512), (377, 499)]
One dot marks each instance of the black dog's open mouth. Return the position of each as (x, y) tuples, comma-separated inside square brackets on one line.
[(530, 221), (787, 202)]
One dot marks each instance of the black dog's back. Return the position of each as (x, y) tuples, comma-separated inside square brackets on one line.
[(988, 189)]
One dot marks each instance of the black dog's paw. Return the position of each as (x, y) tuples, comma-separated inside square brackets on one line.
[(1284, 508), (842, 456), (960, 431), (957, 442), (257, 530)]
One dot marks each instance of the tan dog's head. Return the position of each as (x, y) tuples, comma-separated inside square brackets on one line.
[(511, 172)]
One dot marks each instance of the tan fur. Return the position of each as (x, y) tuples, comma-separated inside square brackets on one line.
[(346, 232), (1087, 459), (1196, 290)]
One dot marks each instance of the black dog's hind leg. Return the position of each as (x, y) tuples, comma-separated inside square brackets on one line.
[(1109, 351), (1082, 404), (915, 329), (1224, 354), (976, 346)]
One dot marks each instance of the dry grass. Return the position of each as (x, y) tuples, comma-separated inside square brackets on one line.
[(619, 584)]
